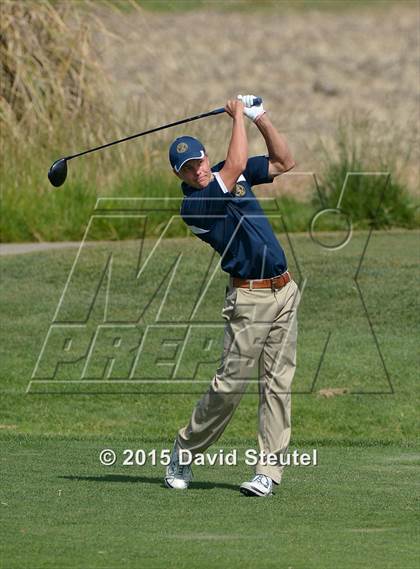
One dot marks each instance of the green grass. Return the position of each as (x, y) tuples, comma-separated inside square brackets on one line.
[(365, 178), (62, 510), (62, 214), (32, 285)]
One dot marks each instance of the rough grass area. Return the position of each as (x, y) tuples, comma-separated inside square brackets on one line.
[(61, 509), (364, 177), (71, 81), (249, 5), (64, 214), (371, 191)]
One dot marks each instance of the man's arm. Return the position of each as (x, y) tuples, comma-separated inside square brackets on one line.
[(279, 155), (237, 155)]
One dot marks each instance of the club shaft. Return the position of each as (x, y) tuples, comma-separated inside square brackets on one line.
[(176, 123)]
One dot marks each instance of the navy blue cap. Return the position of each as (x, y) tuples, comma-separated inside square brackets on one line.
[(183, 149)]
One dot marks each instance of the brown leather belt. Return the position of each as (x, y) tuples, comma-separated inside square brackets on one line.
[(274, 283)]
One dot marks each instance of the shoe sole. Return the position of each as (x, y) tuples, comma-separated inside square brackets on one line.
[(253, 493), (173, 487)]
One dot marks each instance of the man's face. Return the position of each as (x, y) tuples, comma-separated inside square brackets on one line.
[(196, 173)]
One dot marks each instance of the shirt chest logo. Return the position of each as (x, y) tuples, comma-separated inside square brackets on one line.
[(239, 190)]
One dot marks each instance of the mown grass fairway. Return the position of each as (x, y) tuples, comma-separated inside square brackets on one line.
[(331, 311), (63, 509)]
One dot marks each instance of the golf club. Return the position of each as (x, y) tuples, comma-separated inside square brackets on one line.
[(57, 174)]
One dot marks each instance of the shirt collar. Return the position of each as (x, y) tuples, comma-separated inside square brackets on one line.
[(188, 190)]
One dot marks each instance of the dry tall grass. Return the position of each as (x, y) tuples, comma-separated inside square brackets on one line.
[(48, 73), (56, 98), (53, 99)]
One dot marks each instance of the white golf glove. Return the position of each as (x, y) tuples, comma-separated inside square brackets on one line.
[(253, 113)]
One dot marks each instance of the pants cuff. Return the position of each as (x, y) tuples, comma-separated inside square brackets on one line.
[(273, 472)]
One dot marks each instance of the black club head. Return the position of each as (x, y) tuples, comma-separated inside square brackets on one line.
[(57, 174)]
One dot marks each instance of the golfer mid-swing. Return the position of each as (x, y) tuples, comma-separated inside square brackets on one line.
[(261, 302)]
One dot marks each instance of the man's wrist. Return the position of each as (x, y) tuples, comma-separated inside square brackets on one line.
[(261, 118)]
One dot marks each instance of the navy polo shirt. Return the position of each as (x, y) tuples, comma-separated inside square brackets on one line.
[(234, 223)]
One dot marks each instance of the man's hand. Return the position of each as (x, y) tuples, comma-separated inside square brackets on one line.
[(253, 113), (235, 108)]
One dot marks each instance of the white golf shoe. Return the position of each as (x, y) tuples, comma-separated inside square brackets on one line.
[(260, 485), (178, 476)]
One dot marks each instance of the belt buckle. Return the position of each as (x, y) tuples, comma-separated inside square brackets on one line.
[(273, 287)]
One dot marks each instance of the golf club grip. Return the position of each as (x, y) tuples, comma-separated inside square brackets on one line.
[(257, 102)]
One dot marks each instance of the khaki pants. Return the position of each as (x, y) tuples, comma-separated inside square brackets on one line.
[(261, 329)]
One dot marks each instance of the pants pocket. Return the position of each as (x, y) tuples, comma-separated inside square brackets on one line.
[(231, 297)]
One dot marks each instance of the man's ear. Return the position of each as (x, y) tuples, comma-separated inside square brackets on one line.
[(176, 173)]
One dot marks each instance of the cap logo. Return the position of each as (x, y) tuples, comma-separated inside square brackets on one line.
[(182, 147), (239, 190)]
